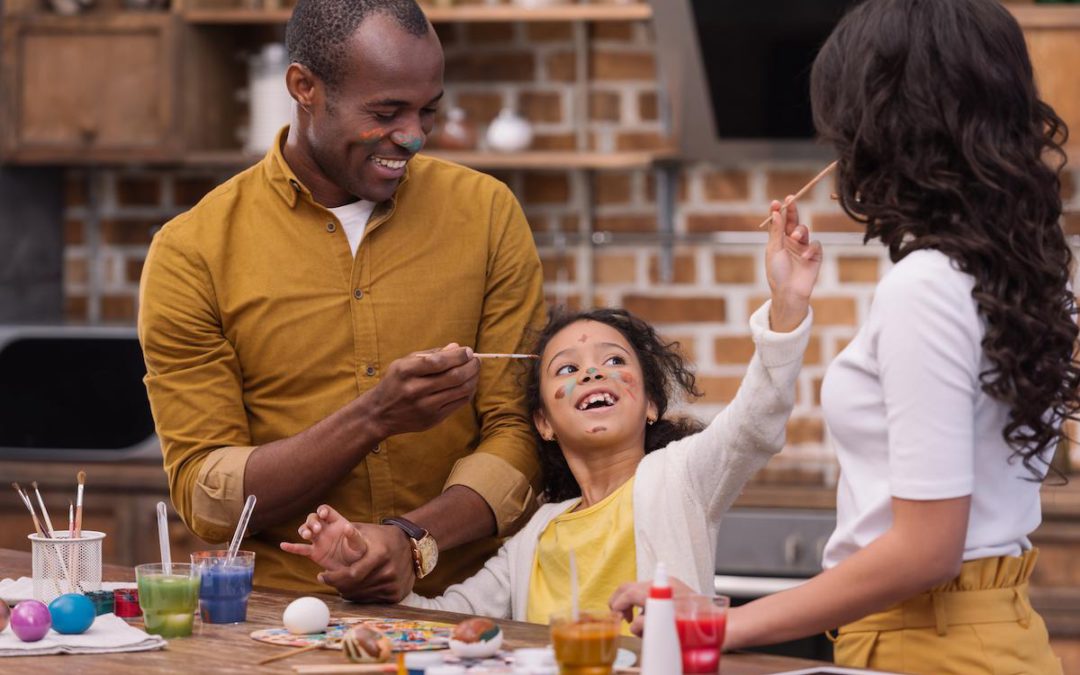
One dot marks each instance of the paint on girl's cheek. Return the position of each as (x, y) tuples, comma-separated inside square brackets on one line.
[(408, 141), (371, 136), (565, 390), (628, 381)]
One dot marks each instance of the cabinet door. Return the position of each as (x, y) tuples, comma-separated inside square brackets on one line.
[(1055, 53), (86, 89)]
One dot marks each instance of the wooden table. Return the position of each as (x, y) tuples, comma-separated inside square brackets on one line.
[(228, 649)]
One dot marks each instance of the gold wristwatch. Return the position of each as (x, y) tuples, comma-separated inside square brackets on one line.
[(425, 550)]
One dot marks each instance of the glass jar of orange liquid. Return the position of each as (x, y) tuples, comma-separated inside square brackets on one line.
[(586, 645)]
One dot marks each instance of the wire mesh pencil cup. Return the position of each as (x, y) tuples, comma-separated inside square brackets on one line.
[(65, 565)]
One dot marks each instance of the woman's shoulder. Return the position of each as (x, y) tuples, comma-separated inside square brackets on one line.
[(925, 278)]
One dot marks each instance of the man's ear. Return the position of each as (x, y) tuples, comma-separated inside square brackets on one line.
[(303, 85), (543, 426)]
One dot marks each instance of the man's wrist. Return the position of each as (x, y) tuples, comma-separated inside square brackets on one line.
[(369, 420)]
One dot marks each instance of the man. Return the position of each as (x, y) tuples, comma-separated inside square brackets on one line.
[(290, 322)]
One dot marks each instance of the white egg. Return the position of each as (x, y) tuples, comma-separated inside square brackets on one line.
[(306, 615)]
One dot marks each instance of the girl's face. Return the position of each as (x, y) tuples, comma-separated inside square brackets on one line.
[(591, 388)]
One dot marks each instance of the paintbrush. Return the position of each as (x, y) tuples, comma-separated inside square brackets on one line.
[(806, 188), (29, 507), (44, 511), (81, 477), (506, 356)]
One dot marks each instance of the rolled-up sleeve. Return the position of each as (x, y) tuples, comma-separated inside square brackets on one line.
[(504, 469), (194, 384)]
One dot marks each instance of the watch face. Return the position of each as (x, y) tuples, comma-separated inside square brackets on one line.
[(429, 554)]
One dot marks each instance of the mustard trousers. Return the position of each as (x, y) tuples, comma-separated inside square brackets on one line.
[(980, 623)]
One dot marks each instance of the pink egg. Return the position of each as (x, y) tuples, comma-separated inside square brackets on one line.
[(5, 614), (30, 620)]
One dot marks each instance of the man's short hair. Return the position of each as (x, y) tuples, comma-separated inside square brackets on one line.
[(318, 29)]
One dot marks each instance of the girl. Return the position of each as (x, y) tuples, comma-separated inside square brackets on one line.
[(948, 404), (625, 487)]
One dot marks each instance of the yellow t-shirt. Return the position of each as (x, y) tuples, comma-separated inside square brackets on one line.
[(602, 538)]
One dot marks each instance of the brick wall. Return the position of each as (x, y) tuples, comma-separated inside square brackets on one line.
[(715, 285)]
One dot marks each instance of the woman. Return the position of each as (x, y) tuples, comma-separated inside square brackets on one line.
[(948, 404)]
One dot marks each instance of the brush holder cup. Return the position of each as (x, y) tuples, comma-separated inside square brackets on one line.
[(65, 565)]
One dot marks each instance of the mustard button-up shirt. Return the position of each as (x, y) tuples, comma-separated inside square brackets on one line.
[(257, 321)]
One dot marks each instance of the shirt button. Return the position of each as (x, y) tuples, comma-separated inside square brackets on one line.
[(330, 227), (295, 184), (358, 294), (377, 449), (370, 371)]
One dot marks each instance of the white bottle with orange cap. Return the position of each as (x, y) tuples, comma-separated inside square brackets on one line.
[(660, 653)]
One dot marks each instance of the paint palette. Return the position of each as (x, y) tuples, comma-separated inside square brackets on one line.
[(406, 635)]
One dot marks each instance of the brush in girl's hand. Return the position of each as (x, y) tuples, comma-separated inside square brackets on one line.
[(806, 188)]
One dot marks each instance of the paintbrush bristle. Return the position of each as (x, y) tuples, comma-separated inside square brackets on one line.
[(81, 477), (33, 484)]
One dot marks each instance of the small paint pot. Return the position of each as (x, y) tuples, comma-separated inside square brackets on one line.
[(126, 603)]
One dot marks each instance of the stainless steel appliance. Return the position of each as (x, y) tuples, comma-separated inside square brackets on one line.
[(764, 551), (73, 393)]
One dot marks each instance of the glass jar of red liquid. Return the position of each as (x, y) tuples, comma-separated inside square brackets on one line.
[(701, 621)]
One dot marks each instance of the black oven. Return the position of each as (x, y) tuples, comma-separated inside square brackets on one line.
[(764, 551)]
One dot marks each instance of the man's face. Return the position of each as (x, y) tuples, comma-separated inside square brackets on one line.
[(373, 122)]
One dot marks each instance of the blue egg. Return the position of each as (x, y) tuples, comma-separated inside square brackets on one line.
[(71, 613)]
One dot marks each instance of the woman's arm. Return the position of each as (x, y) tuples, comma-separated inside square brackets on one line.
[(923, 548)]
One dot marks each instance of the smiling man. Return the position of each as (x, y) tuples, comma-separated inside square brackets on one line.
[(309, 326)]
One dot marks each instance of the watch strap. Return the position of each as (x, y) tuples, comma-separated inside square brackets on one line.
[(407, 526)]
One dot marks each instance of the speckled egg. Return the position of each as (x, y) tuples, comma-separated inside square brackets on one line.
[(30, 620), (72, 613), (476, 639)]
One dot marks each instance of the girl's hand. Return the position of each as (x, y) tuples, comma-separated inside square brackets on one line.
[(335, 542), (792, 263), (630, 595)]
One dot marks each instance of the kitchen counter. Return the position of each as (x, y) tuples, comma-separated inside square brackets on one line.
[(229, 649)]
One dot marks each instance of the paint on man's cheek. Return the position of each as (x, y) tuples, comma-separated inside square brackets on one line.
[(371, 136)]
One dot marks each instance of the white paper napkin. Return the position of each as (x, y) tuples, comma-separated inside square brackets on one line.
[(108, 634)]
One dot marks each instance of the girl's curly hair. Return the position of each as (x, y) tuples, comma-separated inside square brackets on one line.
[(944, 144), (664, 375)]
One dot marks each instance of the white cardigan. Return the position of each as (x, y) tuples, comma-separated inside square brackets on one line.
[(681, 491)]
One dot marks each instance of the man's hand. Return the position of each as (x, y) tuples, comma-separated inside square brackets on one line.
[(420, 390), (385, 571), (630, 595), (335, 542)]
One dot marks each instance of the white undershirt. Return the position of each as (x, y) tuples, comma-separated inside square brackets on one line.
[(905, 409), (354, 218)]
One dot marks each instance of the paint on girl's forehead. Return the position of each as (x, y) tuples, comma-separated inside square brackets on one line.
[(584, 338), (565, 390), (408, 141)]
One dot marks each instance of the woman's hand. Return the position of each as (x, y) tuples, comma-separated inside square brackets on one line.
[(792, 263)]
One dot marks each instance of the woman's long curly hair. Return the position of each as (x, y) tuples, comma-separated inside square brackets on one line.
[(944, 144), (665, 376)]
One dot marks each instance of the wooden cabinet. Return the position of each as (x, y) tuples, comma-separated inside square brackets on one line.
[(93, 88)]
